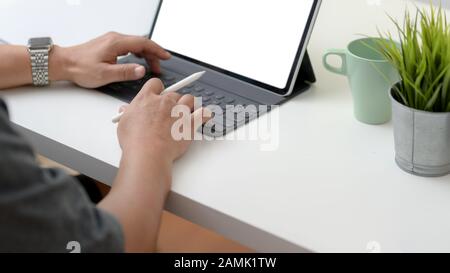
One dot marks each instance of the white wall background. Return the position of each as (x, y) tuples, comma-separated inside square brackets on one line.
[(445, 3), (86, 18)]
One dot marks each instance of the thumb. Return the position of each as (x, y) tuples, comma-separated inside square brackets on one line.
[(124, 72)]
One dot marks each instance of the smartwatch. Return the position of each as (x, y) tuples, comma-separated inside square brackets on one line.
[(39, 49)]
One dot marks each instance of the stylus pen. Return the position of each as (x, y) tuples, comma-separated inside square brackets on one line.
[(174, 88)]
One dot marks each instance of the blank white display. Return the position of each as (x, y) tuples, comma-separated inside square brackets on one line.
[(258, 39)]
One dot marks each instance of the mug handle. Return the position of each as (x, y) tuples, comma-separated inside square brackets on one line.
[(340, 53)]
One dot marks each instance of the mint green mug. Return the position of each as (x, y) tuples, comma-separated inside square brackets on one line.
[(371, 77)]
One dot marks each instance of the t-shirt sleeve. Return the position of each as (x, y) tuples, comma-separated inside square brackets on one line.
[(46, 210)]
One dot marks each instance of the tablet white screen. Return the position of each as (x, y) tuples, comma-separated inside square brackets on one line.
[(258, 39)]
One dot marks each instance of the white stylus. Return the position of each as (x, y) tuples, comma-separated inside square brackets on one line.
[(178, 86)]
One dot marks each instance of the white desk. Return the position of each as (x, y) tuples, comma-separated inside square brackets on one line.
[(331, 186)]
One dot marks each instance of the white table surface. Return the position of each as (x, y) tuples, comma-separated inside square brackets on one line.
[(331, 186)]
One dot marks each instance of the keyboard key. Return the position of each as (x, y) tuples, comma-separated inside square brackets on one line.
[(199, 89), (168, 83), (219, 97), (168, 78), (185, 91), (209, 93), (229, 100), (224, 105)]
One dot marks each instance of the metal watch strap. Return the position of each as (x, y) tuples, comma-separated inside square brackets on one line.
[(39, 66)]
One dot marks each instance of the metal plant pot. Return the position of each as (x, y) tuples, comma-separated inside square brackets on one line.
[(422, 140)]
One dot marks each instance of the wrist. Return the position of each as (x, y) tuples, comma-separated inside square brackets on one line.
[(152, 162), (59, 64), (152, 154)]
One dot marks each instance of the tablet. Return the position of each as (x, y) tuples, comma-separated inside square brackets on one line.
[(261, 42)]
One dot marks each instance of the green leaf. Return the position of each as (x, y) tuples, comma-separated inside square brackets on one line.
[(432, 101), (422, 60)]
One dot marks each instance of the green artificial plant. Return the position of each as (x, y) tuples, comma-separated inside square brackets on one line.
[(422, 59)]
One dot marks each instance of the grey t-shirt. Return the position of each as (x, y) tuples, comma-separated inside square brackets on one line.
[(46, 210)]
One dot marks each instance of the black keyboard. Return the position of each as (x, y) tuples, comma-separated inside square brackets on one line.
[(240, 110)]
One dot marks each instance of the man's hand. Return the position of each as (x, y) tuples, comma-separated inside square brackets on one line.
[(94, 63), (139, 192), (146, 126)]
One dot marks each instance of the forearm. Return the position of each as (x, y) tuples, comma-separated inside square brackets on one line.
[(137, 199), (15, 66)]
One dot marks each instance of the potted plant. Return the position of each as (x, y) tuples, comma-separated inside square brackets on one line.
[(421, 100)]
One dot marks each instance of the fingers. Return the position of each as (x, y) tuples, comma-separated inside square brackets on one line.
[(154, 86), (155, 66), (173, 96), (187, 100), (153, 61), (123, 72), (125, 44)]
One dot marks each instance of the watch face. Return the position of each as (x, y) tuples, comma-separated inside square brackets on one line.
[(42, 42)]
